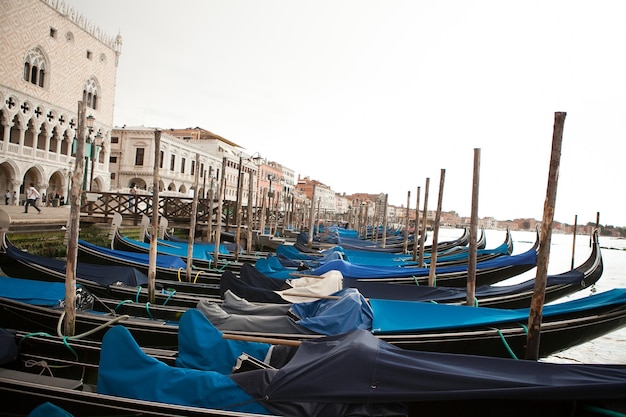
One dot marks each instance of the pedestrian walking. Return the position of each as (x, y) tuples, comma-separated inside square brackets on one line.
[(31, 198), (7, 197)]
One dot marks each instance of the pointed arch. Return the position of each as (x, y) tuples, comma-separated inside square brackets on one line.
[(36, 67)]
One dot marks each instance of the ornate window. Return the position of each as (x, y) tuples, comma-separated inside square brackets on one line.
[(90, 94), (35, 67)]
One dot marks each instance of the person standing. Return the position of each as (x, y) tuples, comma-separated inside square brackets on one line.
[(31, 198), (7, 197), (14, 198)]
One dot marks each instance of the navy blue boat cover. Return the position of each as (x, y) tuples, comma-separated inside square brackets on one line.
[(255, 286), (337, 375), (103, 275), (162, 260)]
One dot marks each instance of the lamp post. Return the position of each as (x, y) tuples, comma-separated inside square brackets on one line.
[(89, 120), (94, 154)]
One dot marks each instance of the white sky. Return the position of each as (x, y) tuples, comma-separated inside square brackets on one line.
[(377, 95)]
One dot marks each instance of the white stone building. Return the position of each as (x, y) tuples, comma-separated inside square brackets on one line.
[(52, 58)]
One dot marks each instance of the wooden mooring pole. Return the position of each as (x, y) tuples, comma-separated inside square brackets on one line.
[(423, 230), (152, 257), (539, 291), (194, 217), (69, 325), (473, 245), (433, 256)]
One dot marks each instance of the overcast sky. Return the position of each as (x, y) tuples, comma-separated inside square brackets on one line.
[(378, 95)]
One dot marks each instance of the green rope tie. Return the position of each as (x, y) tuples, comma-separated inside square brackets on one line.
[(137, 294), (121, 303), (603, 411), (65, 341), (169, 296), (506, 344), (223, 267), (148, 310)]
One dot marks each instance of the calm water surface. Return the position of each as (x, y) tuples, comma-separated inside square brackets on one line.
[(610, 348)]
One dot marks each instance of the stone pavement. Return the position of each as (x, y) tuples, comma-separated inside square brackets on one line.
[(49, 215)]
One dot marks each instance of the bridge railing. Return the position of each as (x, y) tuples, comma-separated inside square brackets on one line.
[(103, 205)]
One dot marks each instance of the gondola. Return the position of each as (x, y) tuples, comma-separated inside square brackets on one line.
[(118, 282), (487, 272), (173, 271), (302, 243), (37, 306), (287, 254), (449, 328), (492, 332), (202, 257), (349, 374), (257, 287)]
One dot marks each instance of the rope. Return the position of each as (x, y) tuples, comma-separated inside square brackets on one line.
[(148, 310), (506, 344), (223, 267), (90, 332), (44, 366), (121, 303), (179, 279), (137, 294), (170, 296), (65, 342), (197, 275)]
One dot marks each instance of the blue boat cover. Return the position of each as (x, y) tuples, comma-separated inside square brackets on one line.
[(126, 371), (162, 260), (40, 293), (8, 347), (48, 409), (203, 252), (350, 270), (327, 316), (390, 259), (201, 346), (396, 316), (100, 274)]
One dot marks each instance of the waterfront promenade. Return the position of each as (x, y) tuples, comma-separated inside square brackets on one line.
[(48, 216)]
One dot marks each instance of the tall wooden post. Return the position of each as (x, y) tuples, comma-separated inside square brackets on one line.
[(239, 211), (433, 255), (193, 220), (574, 240), (312, 219), (69, 327), (209, 231), (423, 231), (416, 227), (218, 225), (152, 254), (473, 245), (539, 290), (250, 221), (384, 214), (405, 248)]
